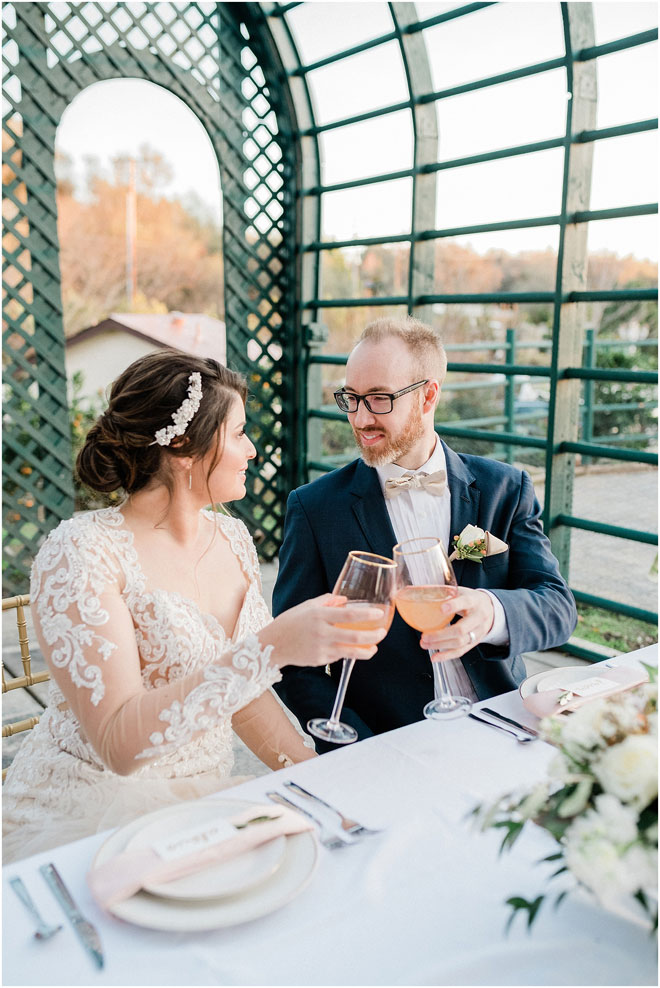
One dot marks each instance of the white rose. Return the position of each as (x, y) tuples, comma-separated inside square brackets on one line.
[(619, 822), (598, 850), (642, 865), (595, 861), (559, 768), (629, 770), (629, 711), (472, 534), (650, 693), (587, 727)]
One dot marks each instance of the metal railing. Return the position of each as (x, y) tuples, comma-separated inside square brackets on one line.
[(593, 446), (571, 373), (512, 374)]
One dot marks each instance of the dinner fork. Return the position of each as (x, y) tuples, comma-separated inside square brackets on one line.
[(44, 930), (327, 838), (350, 826)]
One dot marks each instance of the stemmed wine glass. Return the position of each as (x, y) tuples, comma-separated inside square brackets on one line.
[(365, 579), (424, 579)]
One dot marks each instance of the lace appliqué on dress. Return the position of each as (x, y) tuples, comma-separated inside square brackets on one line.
[(223, 691), (72, 568), (236, 533)]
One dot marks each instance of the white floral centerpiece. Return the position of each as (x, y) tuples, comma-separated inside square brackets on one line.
[(600, 802)]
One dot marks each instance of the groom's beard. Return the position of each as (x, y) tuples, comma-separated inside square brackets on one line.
[(393, 447)]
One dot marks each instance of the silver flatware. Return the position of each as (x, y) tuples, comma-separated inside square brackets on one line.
[(350, 826), (509, 720), (86, 933), (327, 838), (518, 735), (44, 930)]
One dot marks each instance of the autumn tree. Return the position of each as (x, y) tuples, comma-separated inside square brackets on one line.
[(179, 260)]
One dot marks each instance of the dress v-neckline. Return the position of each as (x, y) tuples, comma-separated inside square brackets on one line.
[(142, 579)]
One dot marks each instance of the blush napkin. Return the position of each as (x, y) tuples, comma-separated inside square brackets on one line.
[(126, 873), (547, 703)]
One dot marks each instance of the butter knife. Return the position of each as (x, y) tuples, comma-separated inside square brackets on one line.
[(518, 735), (509, 720), (86, 933)]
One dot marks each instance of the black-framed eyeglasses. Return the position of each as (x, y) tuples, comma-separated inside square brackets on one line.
[(377, 404)]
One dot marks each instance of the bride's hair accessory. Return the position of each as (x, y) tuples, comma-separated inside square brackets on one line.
[(184, 414)]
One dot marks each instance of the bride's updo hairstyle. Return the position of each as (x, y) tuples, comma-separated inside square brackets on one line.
[(120, 452)]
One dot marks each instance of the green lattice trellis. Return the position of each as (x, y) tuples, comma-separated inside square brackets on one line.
[(206, 54)]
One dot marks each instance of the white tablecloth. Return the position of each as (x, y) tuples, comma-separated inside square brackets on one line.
[(423, 903)]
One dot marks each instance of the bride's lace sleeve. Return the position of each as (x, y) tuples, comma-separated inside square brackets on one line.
[(87, 636)]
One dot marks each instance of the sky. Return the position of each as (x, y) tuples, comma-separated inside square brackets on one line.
[(120, 115)]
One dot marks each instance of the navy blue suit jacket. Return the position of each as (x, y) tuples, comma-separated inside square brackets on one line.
[(346, 510)]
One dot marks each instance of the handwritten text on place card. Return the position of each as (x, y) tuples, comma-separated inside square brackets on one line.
[(192, 839), (590, 686)]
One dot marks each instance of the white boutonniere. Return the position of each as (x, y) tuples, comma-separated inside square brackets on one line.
[(473, 544)]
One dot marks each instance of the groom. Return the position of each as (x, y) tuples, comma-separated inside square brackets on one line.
[(509, 603)]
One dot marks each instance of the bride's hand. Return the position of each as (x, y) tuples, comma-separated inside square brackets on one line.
[(308, 635)]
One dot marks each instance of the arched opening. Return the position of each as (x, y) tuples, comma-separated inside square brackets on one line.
[(219, 67), (139, 211)]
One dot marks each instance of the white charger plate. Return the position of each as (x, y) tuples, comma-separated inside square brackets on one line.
[(191, 915), (228, 878), (554, 679)]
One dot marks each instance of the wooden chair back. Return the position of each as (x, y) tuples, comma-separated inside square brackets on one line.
[(19, 603)]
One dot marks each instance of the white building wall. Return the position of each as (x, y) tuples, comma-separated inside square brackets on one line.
[(102, 358)]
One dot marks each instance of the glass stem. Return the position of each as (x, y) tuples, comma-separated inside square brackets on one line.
[(441, 687), (346, 670)]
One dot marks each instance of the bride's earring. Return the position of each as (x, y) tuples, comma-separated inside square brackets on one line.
[(190, 479)]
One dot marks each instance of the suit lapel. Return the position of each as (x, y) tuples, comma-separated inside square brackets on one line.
[(370, 511), (464, 501)]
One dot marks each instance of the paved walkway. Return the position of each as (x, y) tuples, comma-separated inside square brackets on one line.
[(617, 569), (602, 565)]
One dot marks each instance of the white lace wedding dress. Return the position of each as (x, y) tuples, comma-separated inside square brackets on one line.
[(193, 678)]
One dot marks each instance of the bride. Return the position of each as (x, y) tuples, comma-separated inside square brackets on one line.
[(151, 619)]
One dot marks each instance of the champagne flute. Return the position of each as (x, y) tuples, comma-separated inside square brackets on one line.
[(367, 580), (424, 580)]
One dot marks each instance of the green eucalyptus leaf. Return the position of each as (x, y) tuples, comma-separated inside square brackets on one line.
[(652, 672), (255, 819), (577, 801), (519, 904)]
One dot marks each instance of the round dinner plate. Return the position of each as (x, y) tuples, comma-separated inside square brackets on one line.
[(193, 915), (228, 878), (553, 679)]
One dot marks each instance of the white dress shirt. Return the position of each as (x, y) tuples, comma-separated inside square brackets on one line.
[(415, 513)]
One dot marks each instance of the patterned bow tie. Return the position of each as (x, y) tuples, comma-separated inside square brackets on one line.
[(433, 483)]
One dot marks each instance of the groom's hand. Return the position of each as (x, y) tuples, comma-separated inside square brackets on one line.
[(477, 616)]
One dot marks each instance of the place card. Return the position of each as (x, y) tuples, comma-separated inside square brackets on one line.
[(192, 839), (591, 686)]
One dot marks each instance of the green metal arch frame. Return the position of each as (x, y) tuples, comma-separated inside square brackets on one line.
[(565, 371), (294, 381), (259, 301)]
